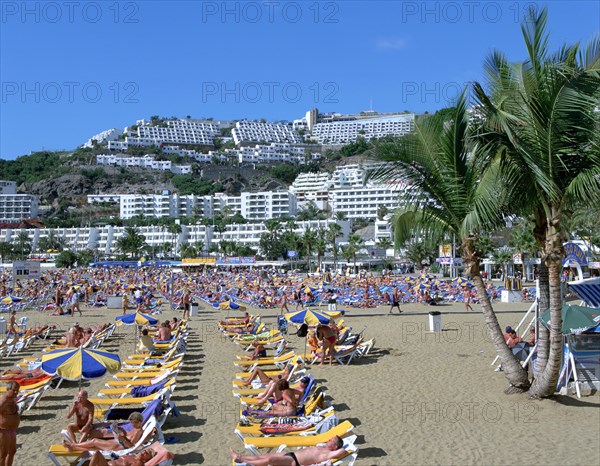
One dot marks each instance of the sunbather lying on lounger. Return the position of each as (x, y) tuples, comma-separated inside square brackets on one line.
[(274, 391), (307, 456), (258, 372), (18, 374), (120, 441), (287, 406), (152, 455)]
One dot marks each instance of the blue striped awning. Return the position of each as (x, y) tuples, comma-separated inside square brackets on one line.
[(588, 290)]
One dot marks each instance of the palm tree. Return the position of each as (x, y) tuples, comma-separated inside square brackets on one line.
[(320, 245), (23, 245), (175, 230), (355, 242), (503, 257), (334, 232), (6, 251), (308, 240), (131, 242), (457, 195), (541, 114), (187, 250)]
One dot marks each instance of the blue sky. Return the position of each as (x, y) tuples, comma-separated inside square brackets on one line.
[(69, 70)]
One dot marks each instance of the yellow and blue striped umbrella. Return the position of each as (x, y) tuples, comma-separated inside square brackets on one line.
[(80, 363), (11, 299), (137, 318), (308, 317)]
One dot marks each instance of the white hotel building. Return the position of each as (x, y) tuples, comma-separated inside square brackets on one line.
[(274, 152), (169, 132), (15, 207), (248, 131), (104, 136), (252, 206), (147, 161), (345, 132), (103, 239)]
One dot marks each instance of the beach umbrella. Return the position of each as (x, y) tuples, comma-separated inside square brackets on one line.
[(11, 299), (136, 318), (521, 351), (309, 317), (80, 363), (422, 286), (576, 319)]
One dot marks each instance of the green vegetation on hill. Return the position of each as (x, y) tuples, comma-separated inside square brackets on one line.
[(188, 184), (34, 167)]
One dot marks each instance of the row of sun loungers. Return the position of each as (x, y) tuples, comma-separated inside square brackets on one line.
[(313, 424), (145, 383)]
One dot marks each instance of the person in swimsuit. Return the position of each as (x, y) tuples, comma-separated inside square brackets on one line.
[(83, 409), (328, 338), (121, 440), (264, 378), (259, 351), (286, 406), (9, 422), (307, 456), (140, 459), (395, 301)]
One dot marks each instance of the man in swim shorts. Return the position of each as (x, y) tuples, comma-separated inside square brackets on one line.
[(307, 456)]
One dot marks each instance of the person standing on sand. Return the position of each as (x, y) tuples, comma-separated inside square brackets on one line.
[(395, 301), (9, 422), (186, 302), (467, 300), (284, 300)]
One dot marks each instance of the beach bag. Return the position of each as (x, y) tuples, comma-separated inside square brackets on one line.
[(302, 331)]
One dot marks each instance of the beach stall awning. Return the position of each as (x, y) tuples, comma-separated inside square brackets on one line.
[(588, 290)]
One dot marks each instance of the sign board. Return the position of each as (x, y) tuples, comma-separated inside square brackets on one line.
[(445, 250), (517, 258), (236, 260), (24, 270), (291, 253), (198, 260), (448, 260), (574, 254)]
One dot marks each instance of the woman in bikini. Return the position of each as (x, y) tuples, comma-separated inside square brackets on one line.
[(264, 378), (328, 338), (286, 406)]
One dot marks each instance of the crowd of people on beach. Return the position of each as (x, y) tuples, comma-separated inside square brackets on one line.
[(60, 292)]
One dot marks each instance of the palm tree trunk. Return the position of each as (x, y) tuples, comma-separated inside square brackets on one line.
[(545, 384), (513, 371), (543, 336)]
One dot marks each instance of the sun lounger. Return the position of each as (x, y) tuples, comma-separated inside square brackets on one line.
[(279, 361), (279, 443), (60, 451)]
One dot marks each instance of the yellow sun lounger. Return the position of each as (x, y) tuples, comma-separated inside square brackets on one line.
[(146, 374), (153, 367), (60, 451), (294, 441), (278, 361), (142, 381), (112, 393)]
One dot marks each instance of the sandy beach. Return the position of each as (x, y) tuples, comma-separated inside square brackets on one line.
[(419, 399)]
